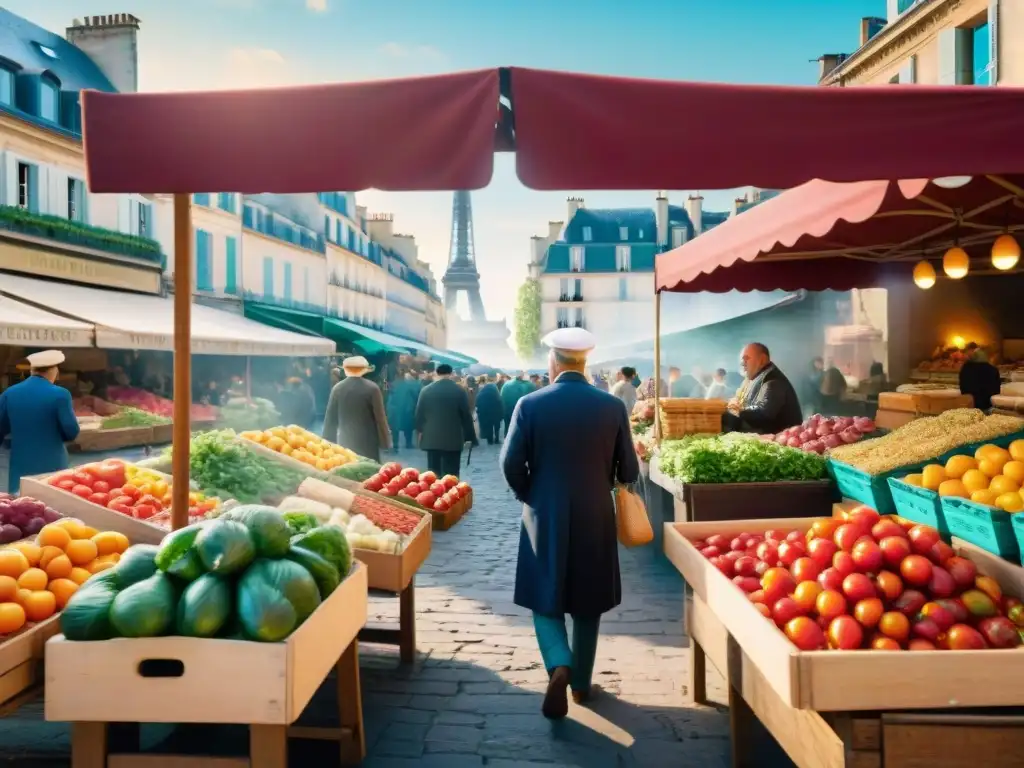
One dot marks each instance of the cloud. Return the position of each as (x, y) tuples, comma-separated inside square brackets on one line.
[(317, 6), (256, 68), (400, 51)]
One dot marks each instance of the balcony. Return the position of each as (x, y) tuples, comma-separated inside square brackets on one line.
[(75, 233), (344, 282), (571, 324)]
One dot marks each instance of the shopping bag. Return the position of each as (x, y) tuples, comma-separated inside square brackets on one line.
[(633, 525)]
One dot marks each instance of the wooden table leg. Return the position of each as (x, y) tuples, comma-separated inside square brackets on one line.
[(268, 746), (88, 745), (697, 660), (407, 623), (741, 731), (350, 706)]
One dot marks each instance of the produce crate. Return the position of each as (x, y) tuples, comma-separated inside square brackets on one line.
[(220, 681), (872, 490), (100, 518), (21, 657), (754, 501), (90, 440), (924, 403), (288, 461), (445, 520), (163, 433), (919, 505), (848, 681), (986, 527)]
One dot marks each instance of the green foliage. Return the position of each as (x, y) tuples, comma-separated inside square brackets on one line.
[(64, 230), (527, 319)]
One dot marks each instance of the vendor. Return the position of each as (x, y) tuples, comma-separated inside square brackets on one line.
[(767, 403), (980, 379), (39, 417)]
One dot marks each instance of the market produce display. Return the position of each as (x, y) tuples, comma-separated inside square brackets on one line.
[(426, 489), (222, 466), (868, 582), (92, 407), (39, 576), (132, 417), (642, 417), (736, 458), (244, 575), (139, 493), (244, 413), (820, 433), (923, 439), (161, 406), (303, 445), (993, 476), (23, 516)]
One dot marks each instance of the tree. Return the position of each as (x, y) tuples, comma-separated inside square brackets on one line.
[(527, 319)]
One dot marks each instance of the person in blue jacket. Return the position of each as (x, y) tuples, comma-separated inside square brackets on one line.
[(567, 446), (488, 410), (39, 417), (511, 393), (401, 408)]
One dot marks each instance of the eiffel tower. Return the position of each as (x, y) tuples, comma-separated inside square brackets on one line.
[(461, 274)]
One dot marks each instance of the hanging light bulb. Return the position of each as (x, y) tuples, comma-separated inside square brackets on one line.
[(952, 182), (924, 275), (1005, 252), (956, 263)]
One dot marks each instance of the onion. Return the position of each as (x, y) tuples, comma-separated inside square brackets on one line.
[(864, 424), (806, 435), (793, 442), (832, 441), (824, 428), (850, 435), (816, 446)]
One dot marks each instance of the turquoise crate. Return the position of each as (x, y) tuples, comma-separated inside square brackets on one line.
[(872, 490), (986, 527), (1002, 442), (1017, 523), (918, 504)]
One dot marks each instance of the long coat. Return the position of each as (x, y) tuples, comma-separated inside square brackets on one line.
[(770, 404), (355, 417), (39, 418), (443, 418), (566, 447), (512, 393), (401, 404), (488, 404)]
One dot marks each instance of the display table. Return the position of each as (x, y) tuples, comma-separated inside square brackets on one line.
[(190, 680)]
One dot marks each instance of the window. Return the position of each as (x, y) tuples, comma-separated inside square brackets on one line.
[(226, 201), (287, 282), (145, 220), (577, 290), (640, 234), (76, 190), (28, 194), (563, 289), (231, 265), (268, 277), (902, 6), (622, 258), (588, 234), (623, 233), (563, 317), (201, 198), (49, 100), (981, 55), (47, 51), (6, 87), (956, 59), (577, 260), (623, 289), (204, 261)]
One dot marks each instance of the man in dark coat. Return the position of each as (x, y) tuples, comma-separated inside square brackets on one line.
[(980, 379), (768, 403), (355, 417), (489, 411), (39, 417), (444, 423), (567, 446)]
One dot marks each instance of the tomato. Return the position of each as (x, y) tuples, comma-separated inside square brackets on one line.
[(845, 634), (825, 527), (144, 511), (889, 585), (805, 634), (130, 490), (883, 643), (450, 481), (66, 484), (101, 486), (429, 478), (847, 534), (83, 478), (122, 500), (916, 570), (152, 501), (895, 625), (805, 569), (124, 509), (777, 583), (869, 611), (111, 472), (100, 498), (806, 595), (82, 490), (57, 479)]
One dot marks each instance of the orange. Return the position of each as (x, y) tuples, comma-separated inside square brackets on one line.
[(953, 488), (992, 466), (40, 606), (12, 563), (59, 567), (1017, 450), (993, 453), (1015, 471), (112, 558), (53, 535), (98, 566), (915, 479), (933, 476), (12, 618), (23, 595), (8, 589), (85, 532), (33, 578), (957, 465), (1010, 502), (82, 551), (79, 575), (31, 552), (62, 589), (48, 554), (1002, 484), (986, 497), (975, 480), (109, 542)]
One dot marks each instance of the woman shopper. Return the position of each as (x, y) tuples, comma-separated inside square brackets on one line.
[(624, 389)]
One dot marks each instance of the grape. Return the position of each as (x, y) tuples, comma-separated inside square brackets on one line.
[(34, 526), (9, 533), (50, 515)]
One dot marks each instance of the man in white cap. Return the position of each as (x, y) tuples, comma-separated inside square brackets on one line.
[(39, 417), (567, 445), (355, 416)]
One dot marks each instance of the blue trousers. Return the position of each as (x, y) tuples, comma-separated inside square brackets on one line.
[(553, 639)]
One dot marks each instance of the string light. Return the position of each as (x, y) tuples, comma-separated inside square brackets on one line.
[(956, 263), (1005, 252), (924, 275)]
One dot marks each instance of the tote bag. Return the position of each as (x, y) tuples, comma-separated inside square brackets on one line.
[(631, 521)]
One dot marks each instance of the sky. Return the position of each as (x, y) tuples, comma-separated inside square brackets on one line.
[(218, 44)]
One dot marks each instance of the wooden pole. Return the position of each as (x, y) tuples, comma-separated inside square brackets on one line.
[(657, 366), (182, 358)]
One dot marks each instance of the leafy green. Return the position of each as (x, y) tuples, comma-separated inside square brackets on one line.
[(736, 459), (132, 417), (301, 522)]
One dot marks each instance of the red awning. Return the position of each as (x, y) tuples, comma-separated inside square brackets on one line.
[(419, 133), (580, 132), (823, 235)]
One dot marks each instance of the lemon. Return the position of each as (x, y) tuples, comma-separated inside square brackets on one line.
[(958, 465), (986, 497), (1014, 470), (953, 488), (932, 476), (1002, 484), (975, 480), (915, 479), (1010, 502), (992, 465), (1017, 450)]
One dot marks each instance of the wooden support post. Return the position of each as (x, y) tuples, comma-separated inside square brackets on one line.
[(698, 688), (182, 358), (407, 623), (350, 706), (658, 394), (88, 745)]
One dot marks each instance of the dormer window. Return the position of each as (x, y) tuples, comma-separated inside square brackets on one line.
[(47, 51), (49, 100), (588, 234), (6, 87), (623, 233)]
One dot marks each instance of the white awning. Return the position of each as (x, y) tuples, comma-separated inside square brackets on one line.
[(22, 325), (135, 321)]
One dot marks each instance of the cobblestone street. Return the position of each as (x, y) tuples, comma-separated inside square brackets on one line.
[(473, 697)]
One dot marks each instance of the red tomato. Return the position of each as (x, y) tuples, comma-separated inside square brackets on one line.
[(57, 479), (124, 509), (894, 625), (130, 490), (100, 498), (150, 500), (82, 490), (428, 477), (144, 511), (122, 500), (101, 486), (450, 481), (66, 484), (83, 478), (845, 634)]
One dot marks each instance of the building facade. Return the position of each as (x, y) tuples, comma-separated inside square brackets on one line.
[(935, 42)]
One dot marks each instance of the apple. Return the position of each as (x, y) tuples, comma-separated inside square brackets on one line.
[(428, 477), (450, 481)]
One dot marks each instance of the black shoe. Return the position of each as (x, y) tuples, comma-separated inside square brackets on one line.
[(556, 702)]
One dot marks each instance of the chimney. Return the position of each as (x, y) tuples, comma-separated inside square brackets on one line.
[(828, 62), (382, 228), (574, 204), (869, 27), (538, 246), (695, 210), (661, 218), (739, 201), (892, 9), (112, 42), (554, 230)]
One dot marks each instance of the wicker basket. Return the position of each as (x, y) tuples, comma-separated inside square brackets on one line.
[(690, 416)]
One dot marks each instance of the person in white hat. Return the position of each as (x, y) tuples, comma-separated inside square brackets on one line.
[(355, 416), (567, 445), (39, 418)]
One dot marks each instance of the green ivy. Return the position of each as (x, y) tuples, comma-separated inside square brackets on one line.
[(20, 220), (527, 319)]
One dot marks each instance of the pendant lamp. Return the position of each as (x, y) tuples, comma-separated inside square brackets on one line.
[(924, 275), (1005, 252), (956, 263)]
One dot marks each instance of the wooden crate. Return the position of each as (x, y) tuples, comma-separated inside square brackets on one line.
[(849, 681), (90, 440), (280, 458), (163, 433), (21, 657), (222, 681), (924, 403), (100, 518)]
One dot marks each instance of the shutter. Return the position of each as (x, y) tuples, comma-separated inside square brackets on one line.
[(947, 56), (908, 72), (993, 42), (33, 188), (964, 60), (83, 194)]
